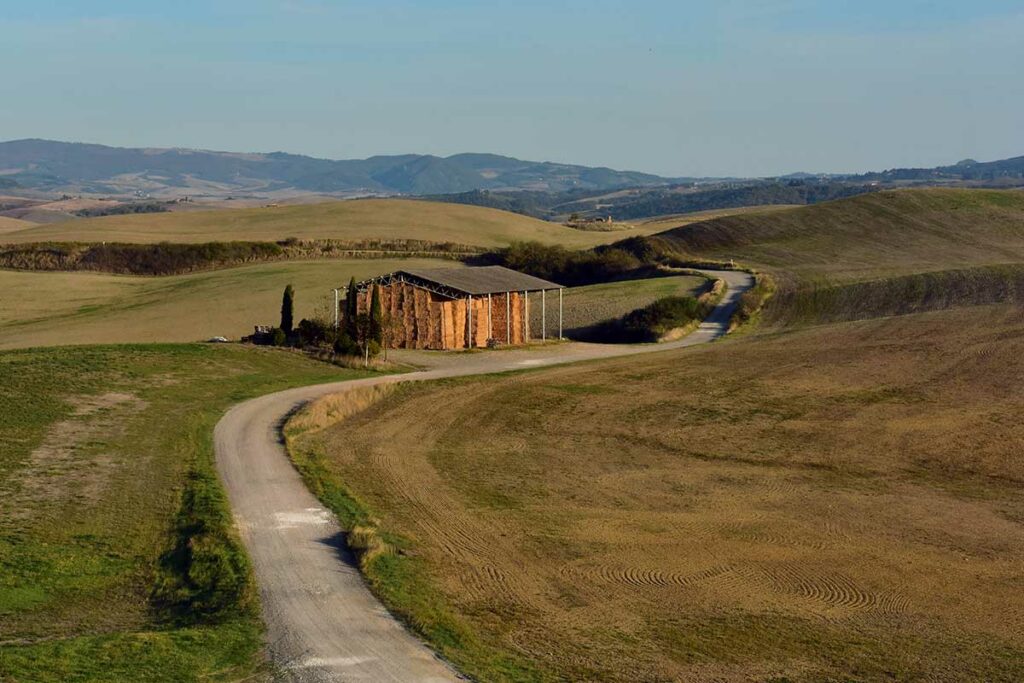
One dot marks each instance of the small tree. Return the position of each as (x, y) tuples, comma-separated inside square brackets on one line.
[(351, 309), (376, 317), (364, 337), (288, 310)]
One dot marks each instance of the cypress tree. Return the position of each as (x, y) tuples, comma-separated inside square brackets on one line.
[(351, 309), (376, 317), (288, 310)]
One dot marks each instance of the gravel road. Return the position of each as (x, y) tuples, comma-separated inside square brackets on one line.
[(323, 624)]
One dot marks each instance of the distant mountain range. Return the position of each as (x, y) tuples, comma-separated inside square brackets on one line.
[(541, 189), (74, 168)]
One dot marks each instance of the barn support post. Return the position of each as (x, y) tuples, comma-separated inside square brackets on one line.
[(543, 315), (335, 308), (559, 314), (508, 317), (469, 316), (490, 320), (526, 317)]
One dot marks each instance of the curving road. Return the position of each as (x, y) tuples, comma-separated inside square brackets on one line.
[(323, 624)]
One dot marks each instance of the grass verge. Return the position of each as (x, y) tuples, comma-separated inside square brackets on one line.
[(118, 560)]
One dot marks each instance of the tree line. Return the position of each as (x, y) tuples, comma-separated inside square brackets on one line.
[(346, 331)]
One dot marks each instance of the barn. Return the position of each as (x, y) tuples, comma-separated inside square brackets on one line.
[(458, 308)]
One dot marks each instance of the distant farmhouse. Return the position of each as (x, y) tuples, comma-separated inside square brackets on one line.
[(458, 308)]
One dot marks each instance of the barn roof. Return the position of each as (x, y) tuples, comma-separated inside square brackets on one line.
[(471, 281)]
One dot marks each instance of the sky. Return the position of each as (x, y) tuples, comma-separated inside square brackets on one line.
[(675, 87)]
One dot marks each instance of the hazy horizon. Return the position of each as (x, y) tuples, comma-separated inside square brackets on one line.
[(724, 88)]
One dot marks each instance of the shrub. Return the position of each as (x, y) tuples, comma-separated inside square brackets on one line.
[(315, 332), (650, 323), (628, 258), (345, 345), (278, 337)]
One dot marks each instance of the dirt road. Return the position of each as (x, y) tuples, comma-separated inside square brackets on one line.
[(323, 624)]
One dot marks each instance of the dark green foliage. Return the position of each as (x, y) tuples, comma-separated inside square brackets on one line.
[(123, 209), (649, 323), (376, 317), (351, 310), (288, 310), (315, 333), (345, 345), (630, 258), (134, 259), (278, 337)]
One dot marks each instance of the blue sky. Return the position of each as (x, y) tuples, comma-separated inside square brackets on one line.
[(699, 87)]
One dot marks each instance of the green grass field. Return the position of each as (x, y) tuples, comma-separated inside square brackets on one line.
[(41, 309), (97, 446), (349, 220)]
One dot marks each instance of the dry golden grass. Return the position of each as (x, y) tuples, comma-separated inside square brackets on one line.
[(870, 236), (837, 503), (12, 224), (348, 220), (662, 223), (45, 309)]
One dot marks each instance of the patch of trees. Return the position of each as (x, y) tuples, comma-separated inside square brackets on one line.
[(124, 209), (362, 334), (631, 258), (172, 259), (167, 259), (134, 259)]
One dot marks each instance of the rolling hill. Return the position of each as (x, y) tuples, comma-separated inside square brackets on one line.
[(882, 233), (826, 502), (77, 167), (346, 220)]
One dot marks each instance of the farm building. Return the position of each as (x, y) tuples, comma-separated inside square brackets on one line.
[(457, 308)]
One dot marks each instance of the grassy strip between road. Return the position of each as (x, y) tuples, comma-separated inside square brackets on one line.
[(118, 560), (388, 560), (752, 302)]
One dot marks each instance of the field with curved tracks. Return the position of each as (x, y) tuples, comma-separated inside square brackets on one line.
[(851, 490)]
